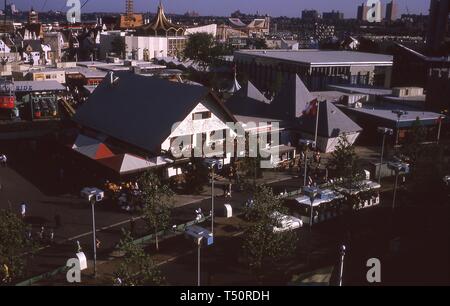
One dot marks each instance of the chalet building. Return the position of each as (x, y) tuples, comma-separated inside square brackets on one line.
[(145, 116)]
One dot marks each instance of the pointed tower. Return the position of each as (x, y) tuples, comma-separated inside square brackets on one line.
[(161, 26)]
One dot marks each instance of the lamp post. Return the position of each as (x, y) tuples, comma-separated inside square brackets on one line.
[(399, 114), (307, 143), (399, 168), (199, 246), (94, 240), (212, 195), (341, 272), (439, 129), (312, 193), (385, 131)]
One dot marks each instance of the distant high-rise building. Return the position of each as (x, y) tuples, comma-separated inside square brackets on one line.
[(11, 9), (332, 16), (438, 25), (362, 12), (310, 15), (391, 11), (363, 9)]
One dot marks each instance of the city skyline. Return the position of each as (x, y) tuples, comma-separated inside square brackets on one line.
[(289, 8)]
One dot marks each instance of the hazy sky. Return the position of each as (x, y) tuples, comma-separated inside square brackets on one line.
[(291, 8)]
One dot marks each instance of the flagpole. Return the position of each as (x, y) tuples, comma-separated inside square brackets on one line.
[(439, 130), (317, 124)]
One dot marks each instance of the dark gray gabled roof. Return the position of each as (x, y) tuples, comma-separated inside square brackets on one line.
[(250, 102), (332, 122), (139, 110), (293, 98), (288, 104)]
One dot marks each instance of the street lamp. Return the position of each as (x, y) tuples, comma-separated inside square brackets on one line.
[(385, 131), (93, 196), (213, 164), (94, 239), (200, 235), (341, 272), (308, 144), (399, 168), (399, 114), (199, 246)]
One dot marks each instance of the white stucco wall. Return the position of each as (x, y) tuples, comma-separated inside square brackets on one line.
[(153, 44), (188, 126)]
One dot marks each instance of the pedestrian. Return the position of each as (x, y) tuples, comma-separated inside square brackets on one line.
[(6, 276), (119, 281), (98, 243), (3, 160), (79, 249), (29, 234), (23, 209), (199, 214), (41, 233), (52, 236)]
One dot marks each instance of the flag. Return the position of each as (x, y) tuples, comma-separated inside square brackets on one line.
[(311, 108)]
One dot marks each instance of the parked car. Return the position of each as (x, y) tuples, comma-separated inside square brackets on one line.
[(286, 223)]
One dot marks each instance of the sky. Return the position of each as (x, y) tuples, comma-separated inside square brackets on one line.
[(290, 8)]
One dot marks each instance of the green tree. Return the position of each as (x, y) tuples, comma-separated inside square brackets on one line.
[(203, 49), (413, 145), (137, 268), (156, 198), (346, 164), (262, 247), (200, 48), (250, 167), (197, 176), (13, 243), (258, 43)]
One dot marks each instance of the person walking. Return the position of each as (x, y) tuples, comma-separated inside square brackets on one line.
[(3, 160), (23, 209), (41, 233), (79, 248), (52, 236)]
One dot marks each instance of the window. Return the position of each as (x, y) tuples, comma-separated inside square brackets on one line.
[(47, 77), (201, 115)]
